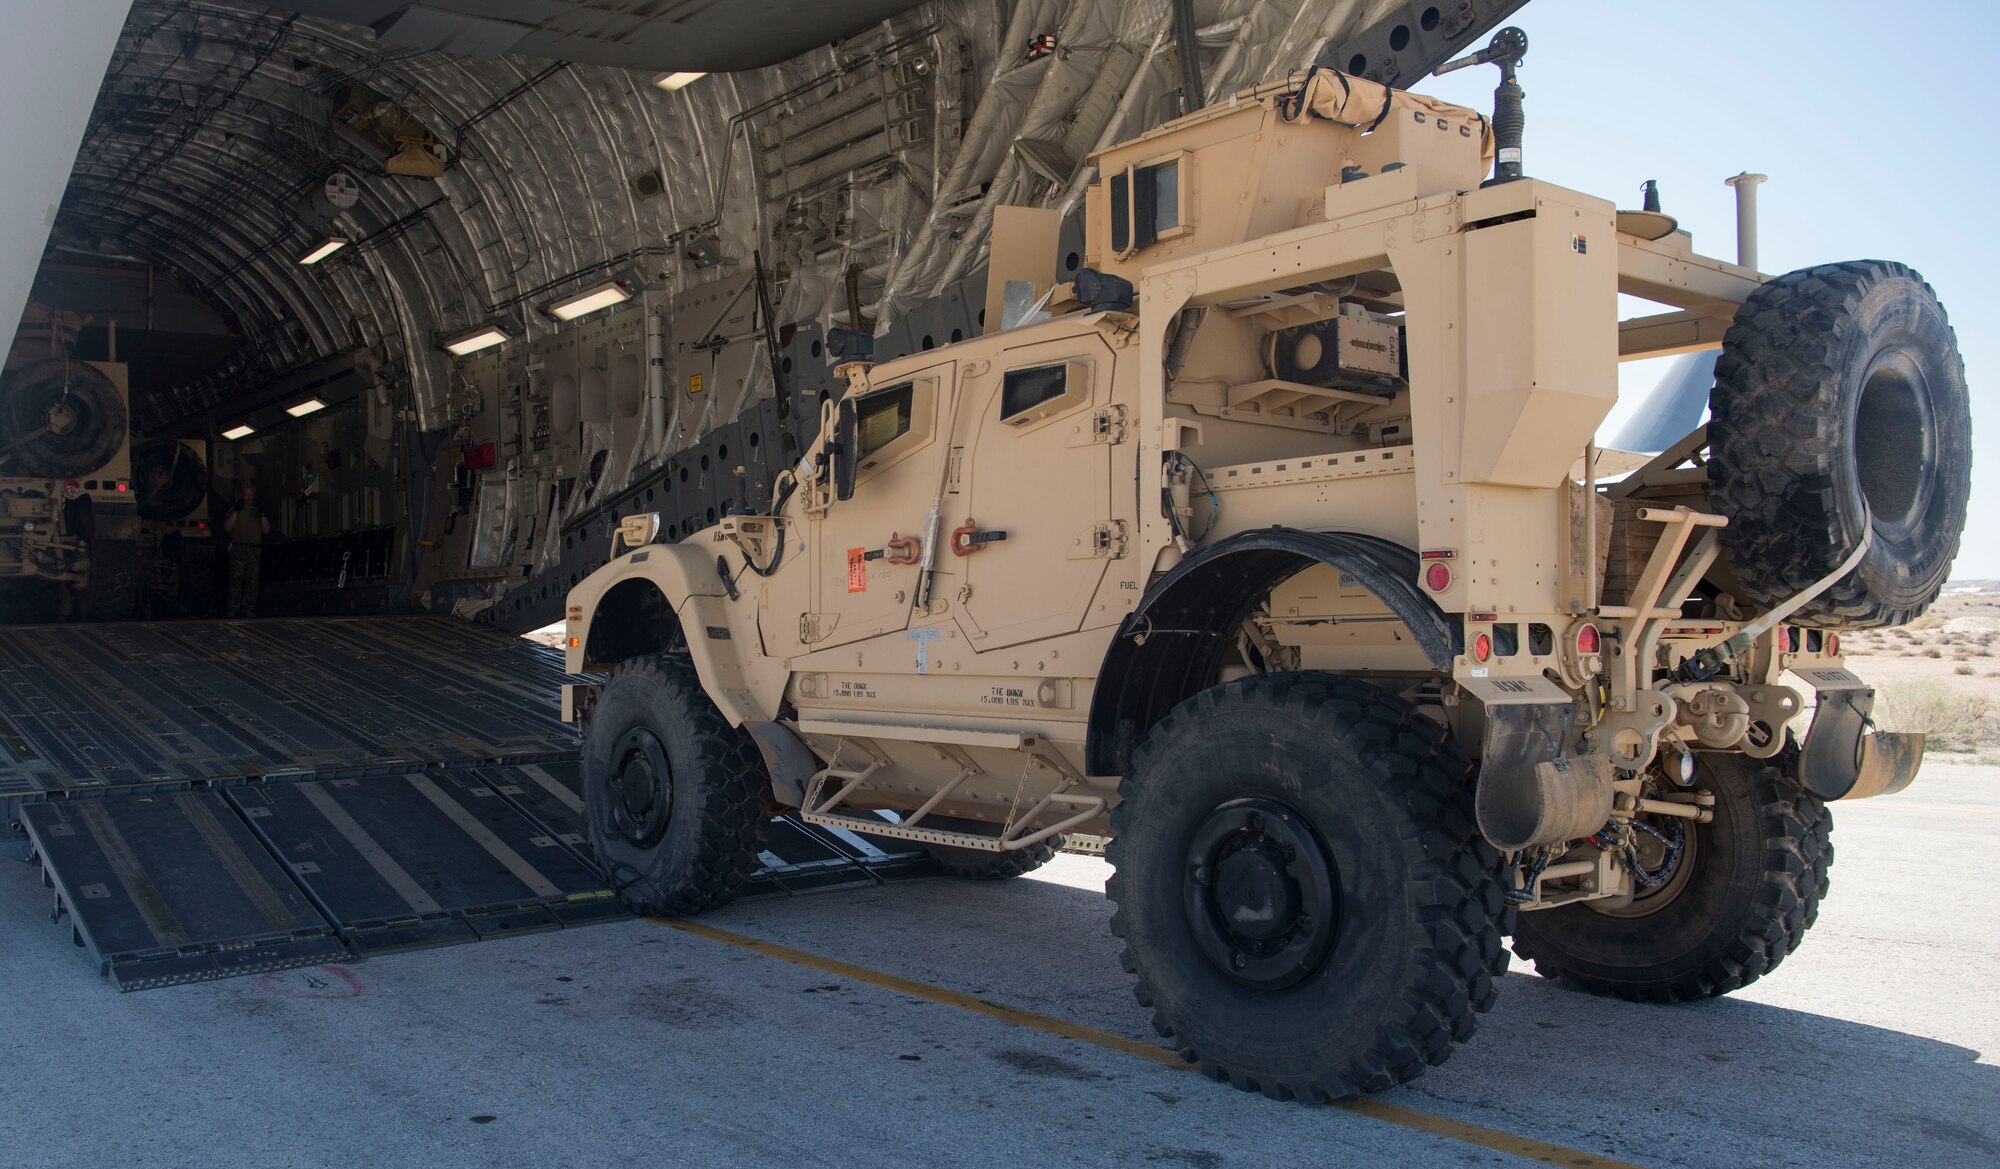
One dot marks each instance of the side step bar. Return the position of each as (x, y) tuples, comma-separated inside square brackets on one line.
[(1017, 833)]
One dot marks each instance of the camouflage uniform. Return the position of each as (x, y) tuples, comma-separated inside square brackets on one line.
[(246, 552)]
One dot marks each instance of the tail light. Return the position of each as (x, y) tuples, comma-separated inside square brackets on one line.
[(1833, 645), (1588, 640), (1482, 647), (1437, 578)]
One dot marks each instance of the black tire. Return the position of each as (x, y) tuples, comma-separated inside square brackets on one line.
[(1403, 953), (1840, 402), (168, 477), (979, 865), (93, 418), (112, 593), (673, 795), (1758, 873)]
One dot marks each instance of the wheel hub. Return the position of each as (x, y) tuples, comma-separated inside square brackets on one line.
[(641, 791), (1895, 443), (1261, 894), (1653, 854)]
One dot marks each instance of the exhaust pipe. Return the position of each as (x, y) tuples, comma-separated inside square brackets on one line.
[(1746, 217)]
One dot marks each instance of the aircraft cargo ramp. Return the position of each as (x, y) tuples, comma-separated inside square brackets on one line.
[(224, 797)]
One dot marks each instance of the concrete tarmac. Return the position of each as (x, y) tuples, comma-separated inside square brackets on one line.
[(636, 1043)]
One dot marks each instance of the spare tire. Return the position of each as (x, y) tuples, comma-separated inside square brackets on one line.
[(60, 418), (169, 478), (1840, 405)]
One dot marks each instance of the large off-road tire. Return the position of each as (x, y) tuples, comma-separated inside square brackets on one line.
[(978, 864), (673, 795), (112, 592), (1301, 890), (1840, 403), (169, 478), (60, 418), (1749, 890)]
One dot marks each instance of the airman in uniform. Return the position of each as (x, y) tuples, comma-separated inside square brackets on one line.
[(247, 526)]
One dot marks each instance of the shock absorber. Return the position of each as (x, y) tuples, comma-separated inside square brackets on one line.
[(1507, 49)]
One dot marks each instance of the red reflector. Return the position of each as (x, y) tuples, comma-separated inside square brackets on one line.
[(1587, 640), (1833, 645), (1437, 578), (1482, 648), (122, 486)]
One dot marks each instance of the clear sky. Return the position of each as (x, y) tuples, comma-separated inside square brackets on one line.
[(1879, 125)]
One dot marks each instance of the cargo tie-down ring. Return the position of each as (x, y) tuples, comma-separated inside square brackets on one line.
[(967, 538)]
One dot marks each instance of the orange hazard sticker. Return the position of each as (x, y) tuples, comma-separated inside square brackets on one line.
[(857, 570)]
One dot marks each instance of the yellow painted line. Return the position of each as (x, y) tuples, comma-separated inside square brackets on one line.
[(1373, 1109)]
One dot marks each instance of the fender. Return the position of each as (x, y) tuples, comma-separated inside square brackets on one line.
[(660, 597), (1172, 645)]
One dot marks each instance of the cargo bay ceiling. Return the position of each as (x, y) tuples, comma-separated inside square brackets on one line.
[(484, 156)]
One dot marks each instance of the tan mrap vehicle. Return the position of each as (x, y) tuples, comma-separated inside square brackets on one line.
[(68, 519), (1275, 554)]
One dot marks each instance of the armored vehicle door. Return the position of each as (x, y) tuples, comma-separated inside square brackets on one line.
[(900, 430), (1031, 530)]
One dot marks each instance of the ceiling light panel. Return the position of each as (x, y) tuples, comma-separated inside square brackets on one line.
[(590, 300), (323, 249), (473, 342)]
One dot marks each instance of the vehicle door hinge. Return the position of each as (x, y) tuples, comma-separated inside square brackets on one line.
[(1104, 541), (1105, 427)]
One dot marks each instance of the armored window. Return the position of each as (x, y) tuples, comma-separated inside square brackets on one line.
[(1145, 205), (1165, 202), (1026, 389), (1039, 392), (883, 416)]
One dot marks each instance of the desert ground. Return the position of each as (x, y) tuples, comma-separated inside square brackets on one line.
[(1940, 675)]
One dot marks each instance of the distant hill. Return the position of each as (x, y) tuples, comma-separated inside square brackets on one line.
[(1971, 586)]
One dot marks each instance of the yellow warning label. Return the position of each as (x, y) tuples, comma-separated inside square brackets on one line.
[(694, 383)]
